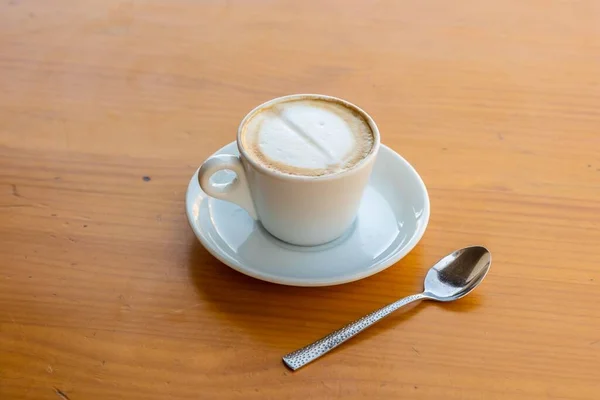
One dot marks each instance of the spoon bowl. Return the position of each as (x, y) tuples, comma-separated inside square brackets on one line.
[(457, 274)]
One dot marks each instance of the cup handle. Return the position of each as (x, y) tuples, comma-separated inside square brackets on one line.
[(236, 191)]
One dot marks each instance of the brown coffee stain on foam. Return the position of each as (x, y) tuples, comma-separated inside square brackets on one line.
[(359, 127), (335, 106)]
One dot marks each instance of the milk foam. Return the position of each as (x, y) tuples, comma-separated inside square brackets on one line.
[(307, 137)]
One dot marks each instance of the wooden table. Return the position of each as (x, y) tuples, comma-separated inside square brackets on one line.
[(108, 106)]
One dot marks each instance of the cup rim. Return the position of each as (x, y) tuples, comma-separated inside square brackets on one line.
[(311, 96)]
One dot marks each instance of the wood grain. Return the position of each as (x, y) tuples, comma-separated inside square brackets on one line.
[(105, 292)]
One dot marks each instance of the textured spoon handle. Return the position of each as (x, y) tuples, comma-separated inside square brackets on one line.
[(303, 356)]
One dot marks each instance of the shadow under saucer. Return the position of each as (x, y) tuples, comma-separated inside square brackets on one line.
[(285, 317)]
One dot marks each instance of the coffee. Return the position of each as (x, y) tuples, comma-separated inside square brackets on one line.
[(310, 137)]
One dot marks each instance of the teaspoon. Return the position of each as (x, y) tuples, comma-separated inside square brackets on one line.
[(451, 278)]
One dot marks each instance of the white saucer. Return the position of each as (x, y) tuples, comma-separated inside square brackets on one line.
[(392, 218)]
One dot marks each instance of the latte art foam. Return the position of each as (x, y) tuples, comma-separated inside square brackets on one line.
[(310, 137)]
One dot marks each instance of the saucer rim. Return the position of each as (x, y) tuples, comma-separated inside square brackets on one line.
[(315, 282)]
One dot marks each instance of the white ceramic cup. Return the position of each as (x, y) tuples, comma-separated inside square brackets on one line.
[(301, 210)]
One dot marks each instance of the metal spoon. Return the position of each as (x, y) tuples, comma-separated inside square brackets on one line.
[(451, 278)]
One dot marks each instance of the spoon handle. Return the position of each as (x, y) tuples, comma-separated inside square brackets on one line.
[(303, 356)]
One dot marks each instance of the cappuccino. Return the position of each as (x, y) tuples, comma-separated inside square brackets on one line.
[(309, 137)]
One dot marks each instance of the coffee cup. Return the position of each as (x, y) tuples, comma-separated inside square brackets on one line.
[(304, 162)]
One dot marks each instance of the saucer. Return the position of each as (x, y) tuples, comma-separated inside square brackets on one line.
[(392, 218)]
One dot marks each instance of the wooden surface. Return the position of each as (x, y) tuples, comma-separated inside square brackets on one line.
[(106, 294)]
